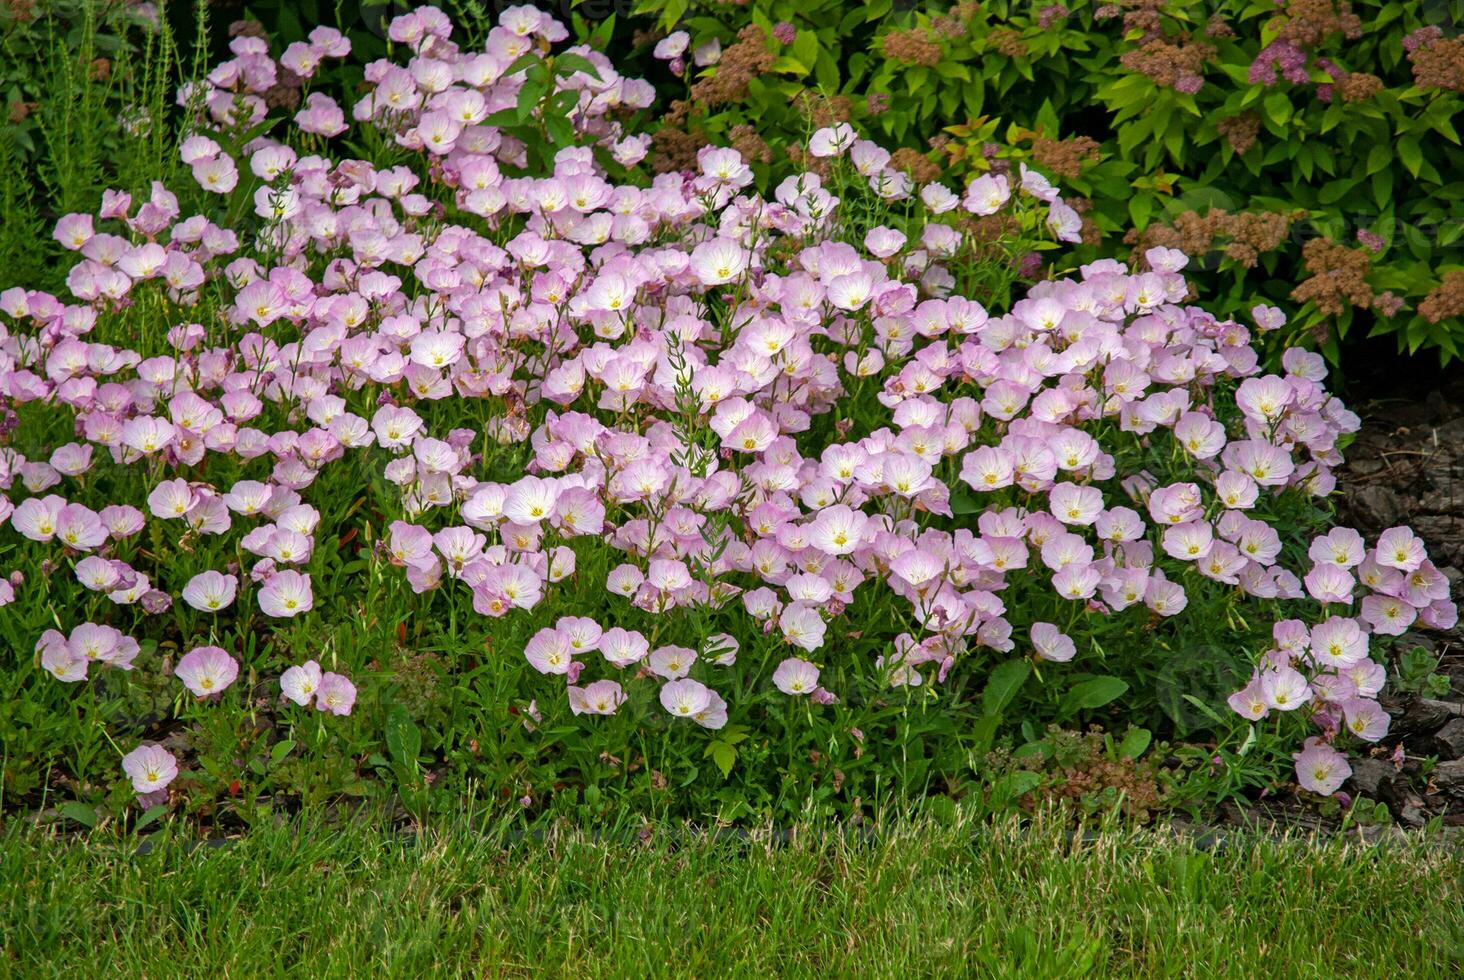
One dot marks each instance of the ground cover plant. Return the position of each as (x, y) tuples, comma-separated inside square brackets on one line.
[(415, 445), (996, 899), (1300, 151)]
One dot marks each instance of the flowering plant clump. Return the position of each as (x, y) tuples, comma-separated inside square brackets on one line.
[(422, 449)]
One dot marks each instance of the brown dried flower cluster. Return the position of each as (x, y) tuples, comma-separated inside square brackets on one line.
[(1089, 232), (823, 166), (920, 168), (742, 61), (949, 26), (1217, 27), (1338, 277), (988, 234), (1007, 41), (1387, 304), (675, 149), (1446, 299), (1168, 61), (821, 111), (248, 28), (1439, 64), (1243, 236), (1144, 18), (1358, 86), (21, 11), (745, 140), (1065, 157), (912, 47), (1308, 22), (1240, 131)]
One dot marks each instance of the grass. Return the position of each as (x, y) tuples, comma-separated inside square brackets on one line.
[(920, 899)]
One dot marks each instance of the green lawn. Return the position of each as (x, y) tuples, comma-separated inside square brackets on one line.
[(919, 900)]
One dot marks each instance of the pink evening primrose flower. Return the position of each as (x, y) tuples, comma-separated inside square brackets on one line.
[(150, 767), (795, 676), (336, 694), (207, 670), (1321, 768)]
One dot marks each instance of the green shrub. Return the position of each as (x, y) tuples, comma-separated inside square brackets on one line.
[(1307, 140)]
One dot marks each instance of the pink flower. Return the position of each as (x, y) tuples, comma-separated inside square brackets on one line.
[(795, 676), (549, 652), (1052, 644), (718, 261), (207, 670), (685, 697), (1399, 547), (1250, 702), (300, 683), (150, 767), (60, 660), (286, 594), (1284, 689), (336, 695), (1365, 718), (986, 194), (1330, 583), (603, 697), (802, 626), (623, 647), (838, 530), (831, 141), (1321, 768), (671, 662), (210, 591)]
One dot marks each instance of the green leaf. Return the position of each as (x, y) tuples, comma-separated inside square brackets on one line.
[(724, 755), (1095, 693), (1135, 742), (280, 750), (568, 63), (1278, 108), (528, 98), (1335, 190), (983, 733), (150, 817), (79, 812), (523, 61), (805, 47), (1005, 681), (1140, 206), (1410, 153), (403, 739)]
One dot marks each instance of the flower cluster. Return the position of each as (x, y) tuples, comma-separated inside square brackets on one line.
[(763, 420)]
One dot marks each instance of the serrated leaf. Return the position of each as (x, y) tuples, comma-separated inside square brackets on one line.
[(724, 755)]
